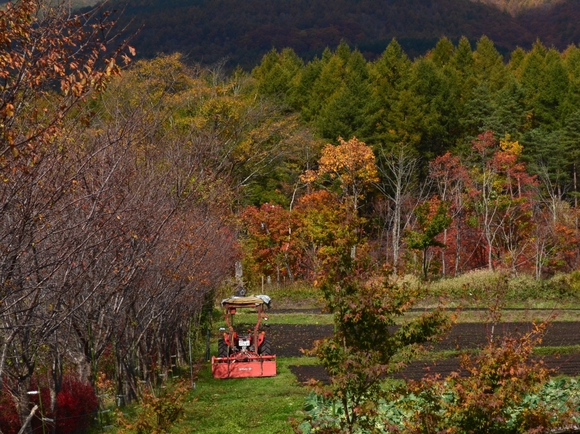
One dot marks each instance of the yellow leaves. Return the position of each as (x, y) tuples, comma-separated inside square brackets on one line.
[(351, 160), (510, 147), (309, 176)]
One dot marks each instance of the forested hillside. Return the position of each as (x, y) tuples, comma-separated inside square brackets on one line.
[(242, 31), (130, 188), (457, 135)]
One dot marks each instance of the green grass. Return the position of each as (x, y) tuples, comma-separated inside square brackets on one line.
[(508, 315), (557, 351), (279, 318), (257, 405), (478, 287)]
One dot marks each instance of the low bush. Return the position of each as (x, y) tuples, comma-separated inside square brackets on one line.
[(158, 411), (9, 422), (76, 405)]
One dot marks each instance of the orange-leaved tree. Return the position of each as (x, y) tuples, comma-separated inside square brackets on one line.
[(348, 169), (45, 50), (350, 164)]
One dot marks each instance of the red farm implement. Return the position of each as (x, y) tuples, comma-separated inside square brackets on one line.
[(245, 353)]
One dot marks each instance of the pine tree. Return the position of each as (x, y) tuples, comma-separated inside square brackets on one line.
[(570, 141), (443, 52), (429, 90), (478, 113), (531, 78), (345, 113), (463, 64), (462, 59), (516, 59), (552, 92), (301, 90), (276, 72), (544, 157), (488, 64), (389, 74), (509, 114), (327, 85), (572, 64)]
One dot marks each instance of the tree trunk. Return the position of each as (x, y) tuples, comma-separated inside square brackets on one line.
[(22, 402)]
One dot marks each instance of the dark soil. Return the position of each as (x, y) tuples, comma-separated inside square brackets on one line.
[(288, 341)]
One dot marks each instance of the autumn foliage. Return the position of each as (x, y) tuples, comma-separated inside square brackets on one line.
[(75, 409)]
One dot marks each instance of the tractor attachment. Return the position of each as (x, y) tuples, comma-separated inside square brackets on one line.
[(247, 353)]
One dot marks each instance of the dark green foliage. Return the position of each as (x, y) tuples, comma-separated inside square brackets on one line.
[(443, 52), (299, 95), (439, 102), (345, 112), (478, 112), (488, 64), (276, 72), (545, 84), (509, 111)]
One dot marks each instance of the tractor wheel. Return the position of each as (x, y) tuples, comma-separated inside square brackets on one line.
[(223, 349), (265, 349)]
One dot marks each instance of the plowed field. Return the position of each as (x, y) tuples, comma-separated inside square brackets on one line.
[(288, 340)]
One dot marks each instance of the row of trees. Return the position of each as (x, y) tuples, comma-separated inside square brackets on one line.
[(116, 199), (440, 102)]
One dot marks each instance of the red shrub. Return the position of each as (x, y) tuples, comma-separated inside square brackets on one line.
[(9, 422), (76, 405)]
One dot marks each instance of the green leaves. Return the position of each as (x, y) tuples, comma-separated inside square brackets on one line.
[(368, 343)]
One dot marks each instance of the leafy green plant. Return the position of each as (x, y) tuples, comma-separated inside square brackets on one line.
[(436, 408), (367, 345), (432, 219)]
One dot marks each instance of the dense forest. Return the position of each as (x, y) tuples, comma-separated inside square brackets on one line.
[(243, 31), (456, 133), (130, 188)]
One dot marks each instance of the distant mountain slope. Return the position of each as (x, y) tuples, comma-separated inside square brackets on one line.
[(244, 30), (560, 26), (515, 7), (74, 4)]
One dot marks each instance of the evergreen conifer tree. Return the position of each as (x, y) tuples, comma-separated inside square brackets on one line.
[(488, 64), (345, 113), (509, 113), (443, 52), (478, 113)]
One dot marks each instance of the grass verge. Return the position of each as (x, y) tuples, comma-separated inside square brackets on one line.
[(257, 405)]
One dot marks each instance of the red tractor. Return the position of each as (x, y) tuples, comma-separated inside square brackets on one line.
[(246, 353)]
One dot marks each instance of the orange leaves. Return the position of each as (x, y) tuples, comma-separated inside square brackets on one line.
[(41, 45), (351, 161)]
